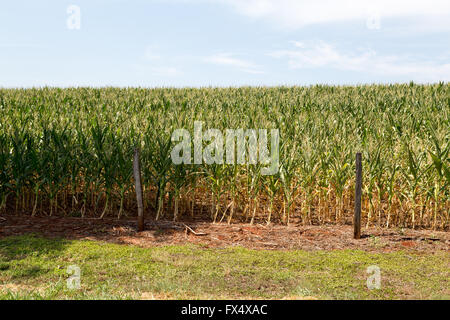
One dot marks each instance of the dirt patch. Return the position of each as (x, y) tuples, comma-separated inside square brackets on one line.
[(15, 287), (327, 237)]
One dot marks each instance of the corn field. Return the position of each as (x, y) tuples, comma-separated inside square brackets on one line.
[(69, 152)]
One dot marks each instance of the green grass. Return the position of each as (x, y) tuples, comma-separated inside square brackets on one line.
[(32, 267)]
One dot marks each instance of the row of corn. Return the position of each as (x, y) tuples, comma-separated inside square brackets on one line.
[(70, 151)]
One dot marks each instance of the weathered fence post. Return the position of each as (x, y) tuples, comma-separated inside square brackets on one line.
[(358, 191), (138, 187)]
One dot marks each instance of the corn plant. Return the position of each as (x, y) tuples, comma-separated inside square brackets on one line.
[(69, 151)]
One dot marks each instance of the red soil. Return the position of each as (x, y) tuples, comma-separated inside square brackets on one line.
[(326, 237)]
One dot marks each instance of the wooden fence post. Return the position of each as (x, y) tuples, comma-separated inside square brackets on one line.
[(358, 191), (138, 188)]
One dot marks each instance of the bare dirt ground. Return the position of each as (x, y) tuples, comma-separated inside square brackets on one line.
[(258, 236)]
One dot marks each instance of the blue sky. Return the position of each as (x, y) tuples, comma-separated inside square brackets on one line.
[(157, 43)]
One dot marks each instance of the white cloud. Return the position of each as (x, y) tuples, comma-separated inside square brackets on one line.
[(155, 64), (151, 53), (228, 59), (164, 71), (324, 55), (299, 13), (156, 71), (298, 44)]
